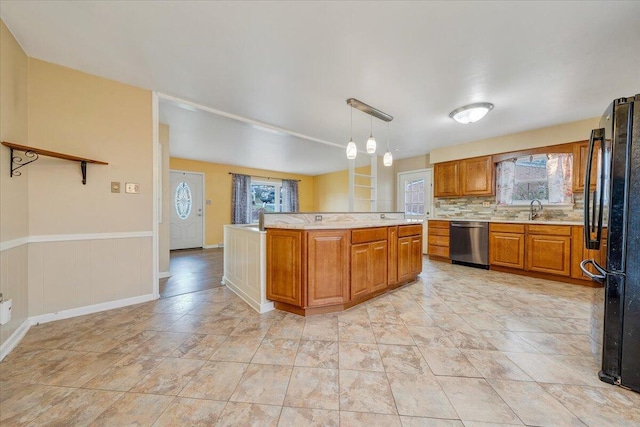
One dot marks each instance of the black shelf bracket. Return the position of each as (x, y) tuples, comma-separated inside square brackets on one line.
[(83, 168), (17, 162)]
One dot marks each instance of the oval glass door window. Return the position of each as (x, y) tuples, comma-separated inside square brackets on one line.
[(183, 200)]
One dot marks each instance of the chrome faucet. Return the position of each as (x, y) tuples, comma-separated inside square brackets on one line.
[(535, 212)]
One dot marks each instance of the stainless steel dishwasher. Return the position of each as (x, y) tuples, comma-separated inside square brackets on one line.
[(469, 243)]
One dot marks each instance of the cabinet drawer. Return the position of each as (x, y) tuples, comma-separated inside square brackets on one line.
[(550, 230), (506, 228), (410, 230), (442, 251), (365, 235), (438, 231), (439, 240), (438, 224)]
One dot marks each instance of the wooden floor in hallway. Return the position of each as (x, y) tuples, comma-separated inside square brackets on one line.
[(193, 270)]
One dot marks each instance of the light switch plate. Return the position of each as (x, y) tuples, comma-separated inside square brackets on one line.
[(132, 187), (115, 187)]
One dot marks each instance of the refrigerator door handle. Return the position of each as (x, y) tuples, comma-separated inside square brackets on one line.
[(590, 225), (597, 277)]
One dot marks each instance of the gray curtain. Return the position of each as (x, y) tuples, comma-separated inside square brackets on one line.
[(290, 193), (240, 210)]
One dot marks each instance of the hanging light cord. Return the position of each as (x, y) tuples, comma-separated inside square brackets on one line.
[(388, 130)]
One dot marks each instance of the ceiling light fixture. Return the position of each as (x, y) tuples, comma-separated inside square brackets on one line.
[(352, 150), (387, 160), (471, 113), (371, 142)]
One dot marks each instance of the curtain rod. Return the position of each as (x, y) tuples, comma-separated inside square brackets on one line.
[(266, 177)]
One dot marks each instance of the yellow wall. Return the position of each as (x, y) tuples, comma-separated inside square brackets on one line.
[(217, 183), (14, 196), (332, 191), (412, 163), (552, 135), (84, 115)]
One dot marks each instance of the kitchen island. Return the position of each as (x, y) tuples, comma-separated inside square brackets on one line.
[(332, 263)]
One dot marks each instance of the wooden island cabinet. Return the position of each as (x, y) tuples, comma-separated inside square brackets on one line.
[(319, 271)]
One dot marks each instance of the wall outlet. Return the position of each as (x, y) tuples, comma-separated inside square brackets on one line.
[(115, 187), (208, 202), (5, 311), (132, 188), (318, 217), (486, 204)]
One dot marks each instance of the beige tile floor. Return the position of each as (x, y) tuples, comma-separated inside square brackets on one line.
[(460, 347)]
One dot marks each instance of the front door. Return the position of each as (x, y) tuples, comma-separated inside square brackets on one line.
[(186, 210), (414, 198)]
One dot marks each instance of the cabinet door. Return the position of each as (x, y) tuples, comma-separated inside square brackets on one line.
[(416, 255), (327, 267), (285, 266), (392, 258), (359, 270), (477, 176), (447, 179), (404, 258), (549, 254), (580, 157), (378, 266), (506, 249)]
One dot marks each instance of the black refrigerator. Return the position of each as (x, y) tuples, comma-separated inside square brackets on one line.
[(612, 215)]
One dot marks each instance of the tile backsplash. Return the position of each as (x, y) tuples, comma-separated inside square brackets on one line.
[(471, 208)]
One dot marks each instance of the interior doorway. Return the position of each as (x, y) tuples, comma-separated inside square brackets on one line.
[(415, 198), (187, 214)]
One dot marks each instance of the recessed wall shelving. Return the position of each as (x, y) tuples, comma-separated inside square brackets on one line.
[(32, 154)]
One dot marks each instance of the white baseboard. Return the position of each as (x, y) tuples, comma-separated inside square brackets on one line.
[(14, 339), (89, 309), (164, 274), (257, 306), (219, 245)]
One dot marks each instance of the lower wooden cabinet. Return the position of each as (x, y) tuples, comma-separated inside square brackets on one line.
[(368, 268), (438, 239), (506, 249), (285, 266), (409, 257), (549, 254), (327, 268), (579, 253), (392, 256), (506, 245)]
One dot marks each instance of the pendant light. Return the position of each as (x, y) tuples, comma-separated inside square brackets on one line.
[(387, 160), (371, 142), (352, 150)]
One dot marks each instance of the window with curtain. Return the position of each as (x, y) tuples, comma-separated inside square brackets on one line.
[(546, 177), (267, 195), (240, 206)]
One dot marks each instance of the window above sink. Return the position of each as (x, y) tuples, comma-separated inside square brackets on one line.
[(545, 177)]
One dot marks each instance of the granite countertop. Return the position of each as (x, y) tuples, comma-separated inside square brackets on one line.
[(514, 221), (333, 225)]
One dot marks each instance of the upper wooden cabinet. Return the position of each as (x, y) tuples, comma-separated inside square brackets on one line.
[(467, 177), (580, 157), (447, 179), (477, 176)]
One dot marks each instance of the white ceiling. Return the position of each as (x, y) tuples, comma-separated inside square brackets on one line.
[(293, 64)]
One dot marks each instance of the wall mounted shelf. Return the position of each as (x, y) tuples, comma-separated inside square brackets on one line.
[(32, 154)]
